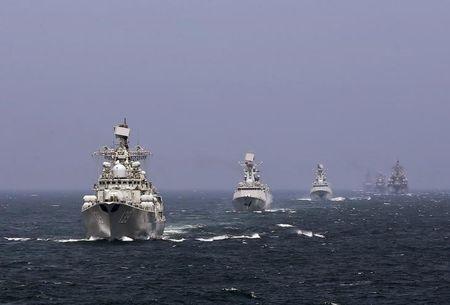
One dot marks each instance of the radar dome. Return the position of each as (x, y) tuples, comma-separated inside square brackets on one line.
[(119, 170)]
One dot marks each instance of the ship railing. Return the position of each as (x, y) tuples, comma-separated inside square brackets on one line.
[(133, 155)]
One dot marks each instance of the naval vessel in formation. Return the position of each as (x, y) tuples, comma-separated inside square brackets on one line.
[(251, 194), (125, 204), (321, 189), (380, 184), (398, 182)]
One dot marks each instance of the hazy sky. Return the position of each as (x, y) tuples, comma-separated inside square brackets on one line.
[(353, 84)]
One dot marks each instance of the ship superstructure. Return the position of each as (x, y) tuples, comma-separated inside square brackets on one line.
[(251, 194), (321, 189), (125, 204), (398, 182)]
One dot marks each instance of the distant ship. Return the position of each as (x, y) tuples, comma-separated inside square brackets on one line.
[(321, 189), (251, 194), (368, 185), (125, 204), (380, 184), (398, 183)]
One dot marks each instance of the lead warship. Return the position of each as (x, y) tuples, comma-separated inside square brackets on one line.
[(251, 194), (398, 183), (320, 188), (125, 204)]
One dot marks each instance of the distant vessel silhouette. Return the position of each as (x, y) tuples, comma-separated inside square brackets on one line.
[(251, 194), (321, 189), (380, 184), (398, 182)]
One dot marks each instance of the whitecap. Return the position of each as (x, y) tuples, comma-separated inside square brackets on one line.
[(125, 238), (70, 240), (250, 294), (356, 198), (319, 235), (17, 238), (181, 229), (284, 225), (214, 238), (175, 240), (73, 240), (253, 236), (305, 233), (280, 210), (337, 199), (304, 199)]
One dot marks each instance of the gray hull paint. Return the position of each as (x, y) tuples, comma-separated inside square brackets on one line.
[(115, 221), (398, 189), (320, 196), (249, 204)]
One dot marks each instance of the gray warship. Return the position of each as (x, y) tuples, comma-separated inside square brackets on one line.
[(398, 183), (125, 205), (251, 194), (380, 184), (321, 189)]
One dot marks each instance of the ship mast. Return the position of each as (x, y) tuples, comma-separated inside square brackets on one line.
[(122, 132), (320, 174), (121, 151), (398, 172), (250, 168)]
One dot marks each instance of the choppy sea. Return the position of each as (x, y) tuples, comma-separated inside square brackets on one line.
[(353, 250)]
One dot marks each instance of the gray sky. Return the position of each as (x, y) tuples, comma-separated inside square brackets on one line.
[(353, 84)]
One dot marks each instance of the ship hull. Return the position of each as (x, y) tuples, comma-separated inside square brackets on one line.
[(249, 204), (321, 194), (398, 189), (251, 200), (118, 221)]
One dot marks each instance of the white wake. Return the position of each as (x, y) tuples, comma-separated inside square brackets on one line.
[(223, 237)]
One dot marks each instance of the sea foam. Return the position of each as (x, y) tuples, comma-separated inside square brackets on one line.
[(223, 237), (284, 225), (17, 238)]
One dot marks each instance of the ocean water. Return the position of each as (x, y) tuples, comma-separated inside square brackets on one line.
[(353, 250)]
